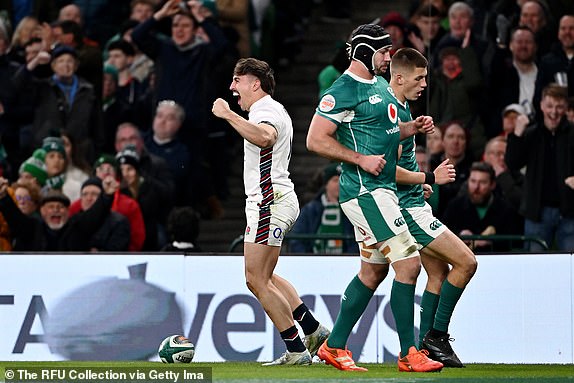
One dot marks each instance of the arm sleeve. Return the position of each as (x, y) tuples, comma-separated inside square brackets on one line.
[(144, 37)]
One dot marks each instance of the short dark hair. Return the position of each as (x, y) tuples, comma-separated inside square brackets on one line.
[(69, 26), (259, 69), (523, 28), (408, 58), (124, 46), (485, 168)]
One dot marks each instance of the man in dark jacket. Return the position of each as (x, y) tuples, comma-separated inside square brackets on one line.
[(558, 64), (181, 63), (64, 101), (481, 212), (56, 231), (546, 148)]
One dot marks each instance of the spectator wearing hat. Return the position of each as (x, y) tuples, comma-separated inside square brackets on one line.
[(512, 115), (69, 33), (150, 165), (154, 203), (33, 170), (106, 165), (55, 161), (323, 215), (63, 101), (57, 231), (114, 233)]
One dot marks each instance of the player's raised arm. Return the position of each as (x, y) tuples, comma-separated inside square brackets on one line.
[(262, 135)]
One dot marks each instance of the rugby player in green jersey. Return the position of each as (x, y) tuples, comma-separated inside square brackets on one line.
[(356, 123), (440, 246)]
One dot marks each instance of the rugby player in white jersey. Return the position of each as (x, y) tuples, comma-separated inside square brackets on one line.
[(271, 206)]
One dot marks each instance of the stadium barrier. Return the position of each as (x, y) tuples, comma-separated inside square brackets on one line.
[(120, 306), (512, 240)]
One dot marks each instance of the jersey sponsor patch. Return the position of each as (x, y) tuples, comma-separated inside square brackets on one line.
[(393, 113), (327, 103)]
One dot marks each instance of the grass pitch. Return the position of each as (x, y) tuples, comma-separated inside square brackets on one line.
[(251, 372)]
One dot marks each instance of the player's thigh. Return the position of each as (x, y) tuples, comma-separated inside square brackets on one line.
[(451, 249), (375, 215), (422, 224)]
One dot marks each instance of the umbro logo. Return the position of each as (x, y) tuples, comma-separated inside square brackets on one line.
[(399, 222), (435, 224)]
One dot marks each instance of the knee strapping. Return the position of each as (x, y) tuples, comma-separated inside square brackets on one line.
[(370, 254), (399, 247)]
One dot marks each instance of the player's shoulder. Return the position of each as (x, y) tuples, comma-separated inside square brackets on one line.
[(341, 95)]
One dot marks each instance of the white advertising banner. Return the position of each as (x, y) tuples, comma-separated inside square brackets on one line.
[(517, 309)]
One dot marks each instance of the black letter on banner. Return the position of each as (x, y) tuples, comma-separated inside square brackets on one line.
[(36, 307), (203, 301)]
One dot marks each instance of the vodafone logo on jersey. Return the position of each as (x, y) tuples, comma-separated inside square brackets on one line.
[(327, 103), (393, 113)]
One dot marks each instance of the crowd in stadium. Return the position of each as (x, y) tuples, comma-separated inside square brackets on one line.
[(94, 91)]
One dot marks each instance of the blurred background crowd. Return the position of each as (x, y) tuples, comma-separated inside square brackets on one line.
[(98, 89)]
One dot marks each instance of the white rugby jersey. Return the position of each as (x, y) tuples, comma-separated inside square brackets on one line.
[(265, 171)]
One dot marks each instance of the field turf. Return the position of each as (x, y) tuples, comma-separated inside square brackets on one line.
[(251, 372)]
